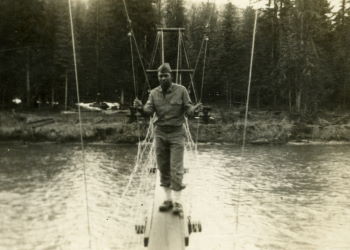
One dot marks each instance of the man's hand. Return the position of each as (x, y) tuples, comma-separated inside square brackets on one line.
[(137, 103), (198, 107)]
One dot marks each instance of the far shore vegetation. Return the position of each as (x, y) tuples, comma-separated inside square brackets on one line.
[(301, 58)]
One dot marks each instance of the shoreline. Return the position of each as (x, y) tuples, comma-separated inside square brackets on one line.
[(102, 143), (264, 127)]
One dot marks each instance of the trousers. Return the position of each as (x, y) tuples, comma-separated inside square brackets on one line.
[(170, 147)]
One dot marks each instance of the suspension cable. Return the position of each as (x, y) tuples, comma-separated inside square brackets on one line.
[(153, 56), (204, 61), (136, 44), (154, 51), (207, 25), (132, 63), (202, 85), (141, 62), (198, 57), (127, 13), (191, 74), (246, 117), (178, 56), (80, 122)]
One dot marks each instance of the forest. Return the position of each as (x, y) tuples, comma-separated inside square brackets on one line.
[(301, 56)]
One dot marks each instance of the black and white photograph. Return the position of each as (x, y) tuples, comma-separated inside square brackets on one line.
[(174, 124)]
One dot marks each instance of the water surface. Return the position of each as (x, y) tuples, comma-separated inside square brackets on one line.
[(271, 197)]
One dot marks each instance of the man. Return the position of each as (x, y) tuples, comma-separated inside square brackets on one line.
[(170, 102)]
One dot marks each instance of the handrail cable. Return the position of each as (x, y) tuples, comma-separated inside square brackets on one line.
[(143, 176), (202, 85), (246, 118), (141, 62), (132, 64), (127, 13), (80, 123), (150, 64), (154, 51), (136, 44), (198, 57), (203, 40), (203, 71), (191, 74), (178, 56)]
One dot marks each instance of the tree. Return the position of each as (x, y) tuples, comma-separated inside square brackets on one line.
[(202, 28), (174, 18), (22, 37), (341, 52), (244, 53), (302, 58)]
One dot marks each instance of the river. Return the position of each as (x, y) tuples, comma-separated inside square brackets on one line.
[(269, 197)]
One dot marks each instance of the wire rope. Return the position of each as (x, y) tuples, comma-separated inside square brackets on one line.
[(132, 63), (203, 71), (136, 44), (154, 51), (191, 74), (246, 119), (80, 123), (178, 56), (202, 84), (127, 13), (198, 57), (203, 40), (141, 62)]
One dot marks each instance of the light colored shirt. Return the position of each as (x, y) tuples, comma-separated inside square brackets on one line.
[(171, 107)]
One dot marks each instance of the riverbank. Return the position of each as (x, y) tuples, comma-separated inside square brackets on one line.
[(263, 127)]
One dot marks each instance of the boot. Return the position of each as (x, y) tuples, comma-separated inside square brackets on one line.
[(166, 206), (178, 210)]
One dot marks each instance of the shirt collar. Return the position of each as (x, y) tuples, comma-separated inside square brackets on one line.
[(170, 89)]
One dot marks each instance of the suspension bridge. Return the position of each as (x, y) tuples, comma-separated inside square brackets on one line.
[(161, 231)]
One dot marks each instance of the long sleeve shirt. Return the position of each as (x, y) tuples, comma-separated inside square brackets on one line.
[(170, 107)]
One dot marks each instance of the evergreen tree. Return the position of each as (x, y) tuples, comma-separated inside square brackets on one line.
[(174, 18), (202, 25), (265, 89), (341, 52), (300, 62), (244, 54), (301, 58), (62, 49), (21, 41), (108, 49)]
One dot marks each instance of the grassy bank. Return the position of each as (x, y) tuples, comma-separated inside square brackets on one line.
[(227, 126)]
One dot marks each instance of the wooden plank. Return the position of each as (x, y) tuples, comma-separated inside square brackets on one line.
[(166, 231), (148, 226)]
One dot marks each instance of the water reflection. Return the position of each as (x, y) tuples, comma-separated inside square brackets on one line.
[(290, 197)]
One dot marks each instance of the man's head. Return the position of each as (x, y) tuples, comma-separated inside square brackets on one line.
[(164, 75)]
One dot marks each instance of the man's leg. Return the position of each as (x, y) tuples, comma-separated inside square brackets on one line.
[(177, 149), (163, 162)]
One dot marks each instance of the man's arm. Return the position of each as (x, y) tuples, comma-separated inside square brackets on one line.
[(148, 108), (190, 109)]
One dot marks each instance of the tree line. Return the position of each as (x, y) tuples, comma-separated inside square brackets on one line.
[(301, 56)]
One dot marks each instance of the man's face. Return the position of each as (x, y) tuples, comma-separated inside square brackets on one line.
[(164, 80)]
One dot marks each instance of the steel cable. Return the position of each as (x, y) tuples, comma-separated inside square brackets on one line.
[(80, 123), (245, 120)]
